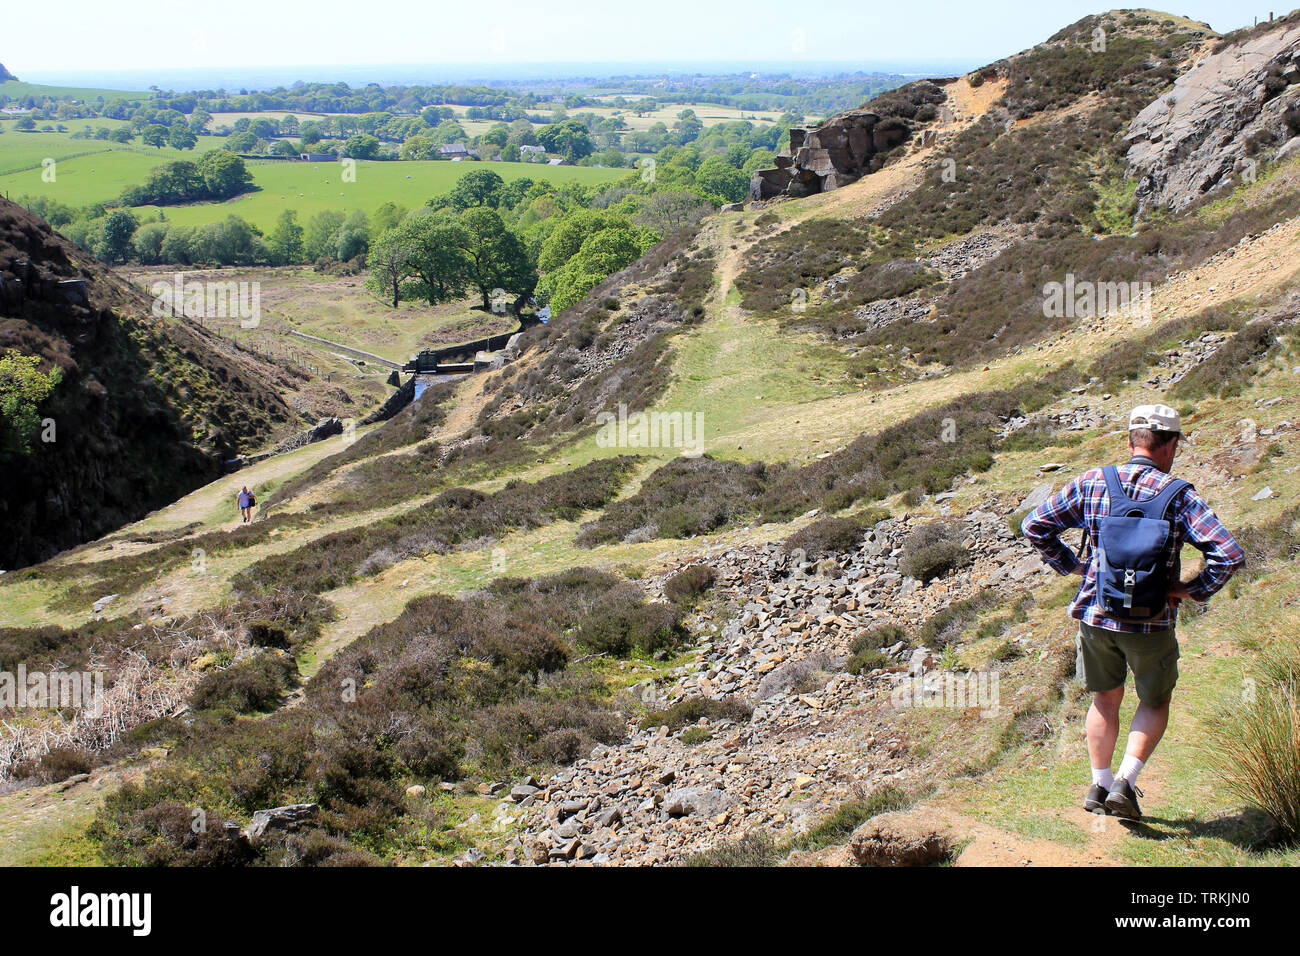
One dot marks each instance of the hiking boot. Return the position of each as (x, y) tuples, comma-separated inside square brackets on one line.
[(1095, 800), (1122, 801)]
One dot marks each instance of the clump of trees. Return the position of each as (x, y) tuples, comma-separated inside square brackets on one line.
[(584, 249), (515, 239), (217, 176), (537, 239), (439, 256)]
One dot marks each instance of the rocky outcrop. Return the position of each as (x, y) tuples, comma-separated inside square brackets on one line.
[(287, 819), (1217, 118), (852, 144), (268, 825), (822, 158), (5, 74)]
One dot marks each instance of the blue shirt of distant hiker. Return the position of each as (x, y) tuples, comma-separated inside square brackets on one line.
[(243, 499)]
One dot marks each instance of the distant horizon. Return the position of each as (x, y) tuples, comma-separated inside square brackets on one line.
[(486, 73), (238, 35)]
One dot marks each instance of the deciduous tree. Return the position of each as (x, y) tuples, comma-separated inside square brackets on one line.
[(23, 386)]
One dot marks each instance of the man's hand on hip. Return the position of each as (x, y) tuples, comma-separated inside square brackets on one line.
[(1177, 594)]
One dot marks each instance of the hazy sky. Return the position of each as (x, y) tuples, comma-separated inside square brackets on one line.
[(143, 34)]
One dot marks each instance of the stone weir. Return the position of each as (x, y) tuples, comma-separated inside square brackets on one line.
[(822, 158)]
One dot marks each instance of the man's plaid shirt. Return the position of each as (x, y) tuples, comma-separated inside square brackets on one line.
[(1082, 503)]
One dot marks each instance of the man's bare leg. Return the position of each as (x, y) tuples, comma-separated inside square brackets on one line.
[(1148, 727), (1102, 726)]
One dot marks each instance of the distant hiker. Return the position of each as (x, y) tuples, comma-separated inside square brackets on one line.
[(246, 502), (1137, 518)]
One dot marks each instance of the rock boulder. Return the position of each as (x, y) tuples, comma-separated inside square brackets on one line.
[(902, 839)]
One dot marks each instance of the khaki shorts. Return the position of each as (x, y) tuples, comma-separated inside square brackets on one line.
[(1105, 657)]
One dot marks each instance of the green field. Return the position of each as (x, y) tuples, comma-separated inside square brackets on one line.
[(312, 187), (710, 114), (306, 187), (229, 119), (24, 151), (16, 89), (79, 179)]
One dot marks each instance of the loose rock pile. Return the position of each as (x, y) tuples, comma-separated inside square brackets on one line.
[(817, 734), (1078, 415), (882, 312), (954, 259), (1178, 361), (644, 318)]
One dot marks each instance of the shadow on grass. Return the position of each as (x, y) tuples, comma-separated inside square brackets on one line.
[(1247, 829)]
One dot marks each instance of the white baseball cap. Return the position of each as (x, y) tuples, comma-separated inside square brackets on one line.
[(1158, 418)]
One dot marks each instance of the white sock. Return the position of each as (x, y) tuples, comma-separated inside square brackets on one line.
[(1103, 776), (1129, 768)]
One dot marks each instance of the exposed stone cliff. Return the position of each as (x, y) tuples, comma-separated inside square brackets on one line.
[(1220, 117)]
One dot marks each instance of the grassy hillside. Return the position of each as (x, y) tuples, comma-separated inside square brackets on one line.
[(524, 602)]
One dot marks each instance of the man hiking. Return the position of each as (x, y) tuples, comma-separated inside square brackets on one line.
[(246, 501), (1136, 517)]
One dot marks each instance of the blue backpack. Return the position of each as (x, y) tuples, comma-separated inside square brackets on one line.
[(1137, 551)]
